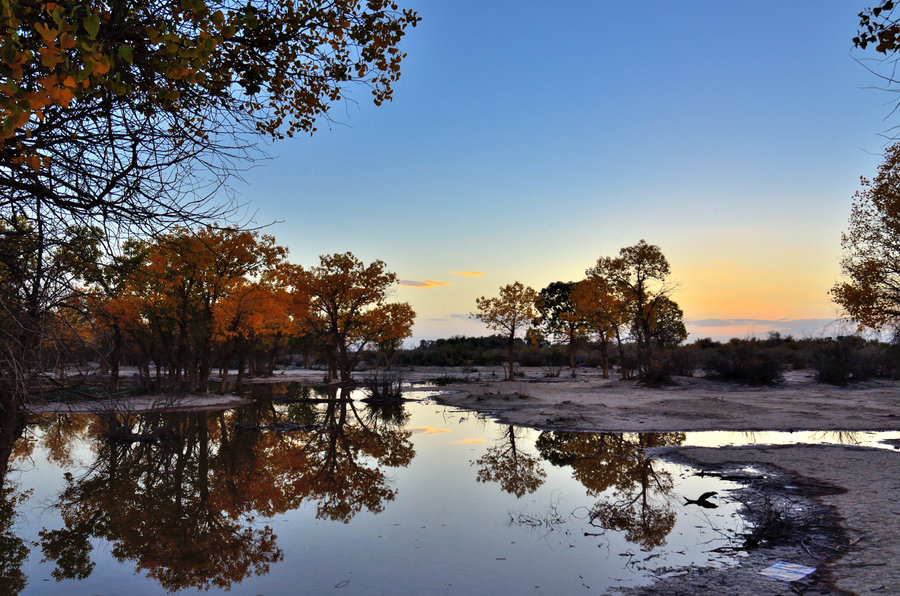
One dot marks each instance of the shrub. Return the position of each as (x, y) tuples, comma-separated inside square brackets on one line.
[(656, 376), (744, 361), (681, 361), (848, 359)]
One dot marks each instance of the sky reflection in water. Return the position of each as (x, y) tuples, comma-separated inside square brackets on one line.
[(418, 498)]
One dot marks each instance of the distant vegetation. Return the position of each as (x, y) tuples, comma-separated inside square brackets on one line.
[(838, 361)]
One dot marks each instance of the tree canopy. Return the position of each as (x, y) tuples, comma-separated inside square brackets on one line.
[(639, 277), (871, 263), (510, 311), (131, 113), (345, 303)]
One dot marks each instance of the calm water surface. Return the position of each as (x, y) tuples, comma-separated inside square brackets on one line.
[(338, 497)]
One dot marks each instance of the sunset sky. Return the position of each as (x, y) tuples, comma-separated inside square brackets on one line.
[(527, 139)]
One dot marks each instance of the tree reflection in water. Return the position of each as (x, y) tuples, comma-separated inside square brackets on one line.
[(518, 472), (13, 550), (180, 495), (640, 500)]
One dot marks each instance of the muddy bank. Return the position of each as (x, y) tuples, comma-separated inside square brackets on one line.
[(859, 485), (784, 523), (144, 403)]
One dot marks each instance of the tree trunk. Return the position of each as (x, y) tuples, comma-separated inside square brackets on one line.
[(622, 372), (12, 424), (114, 357), (511, 354), (572, 357), (239, 383), (270, 370), (604, 355)]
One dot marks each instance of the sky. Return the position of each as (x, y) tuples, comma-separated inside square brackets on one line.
[(527, 139)]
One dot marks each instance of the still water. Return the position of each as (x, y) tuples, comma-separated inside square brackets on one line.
[(339, 497)]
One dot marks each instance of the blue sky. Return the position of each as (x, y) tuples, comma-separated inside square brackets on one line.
[(527, 139)]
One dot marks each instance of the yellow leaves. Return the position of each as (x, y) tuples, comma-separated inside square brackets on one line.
[(871, 297), (193, 42), (46, 33), (66, 41), (509, 311), (17, 63), (99, 64), (50, 57)]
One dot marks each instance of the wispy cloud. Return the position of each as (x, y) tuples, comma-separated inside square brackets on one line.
[(466, 442), (425, 283), (467, 273), (460, 316)]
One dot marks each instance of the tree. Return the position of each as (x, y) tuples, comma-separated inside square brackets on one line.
[(639, 275), (253, 314), (667, 325), (134, 113), (559, 317), (187, 276), (509, 312), (344, 302), (880, 28), (871, 262), (602, 309), (37, 281)]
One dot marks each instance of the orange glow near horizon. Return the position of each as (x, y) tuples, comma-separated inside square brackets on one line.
[(468, 273), (469, 441), (757, 289)]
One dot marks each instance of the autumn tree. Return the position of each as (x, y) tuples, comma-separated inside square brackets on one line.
[(345, 304), (253, 316), (639, 276), (667, 325), (602, 309), (166, 302), (871, 262), (509, 312), (134, 113)]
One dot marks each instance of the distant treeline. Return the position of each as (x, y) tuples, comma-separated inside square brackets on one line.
[(837, 360)]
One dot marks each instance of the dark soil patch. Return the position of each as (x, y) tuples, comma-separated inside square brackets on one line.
[(785, 523)]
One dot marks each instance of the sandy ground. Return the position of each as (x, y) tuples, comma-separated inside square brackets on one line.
[(859, 486), (589, 402)]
